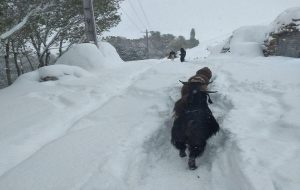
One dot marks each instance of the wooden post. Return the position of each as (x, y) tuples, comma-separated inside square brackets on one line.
[(89, 20), (147, 38), (147, 43)]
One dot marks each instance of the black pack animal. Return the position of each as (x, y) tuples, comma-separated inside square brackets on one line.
[(194, 123)]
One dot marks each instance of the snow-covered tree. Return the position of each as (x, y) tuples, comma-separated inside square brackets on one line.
[(192, 34), (193, 42), (37, 26)]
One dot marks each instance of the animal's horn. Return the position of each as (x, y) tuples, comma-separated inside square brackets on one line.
[(185, 83)]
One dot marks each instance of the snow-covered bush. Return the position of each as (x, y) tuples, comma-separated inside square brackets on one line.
[(89, 57)]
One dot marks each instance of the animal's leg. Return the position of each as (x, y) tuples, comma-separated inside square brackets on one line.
[(182, 153), (192, 163), (178, 136), (195, 151), (181, 147)]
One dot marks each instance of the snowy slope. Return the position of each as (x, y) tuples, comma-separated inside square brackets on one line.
[(106, 124)]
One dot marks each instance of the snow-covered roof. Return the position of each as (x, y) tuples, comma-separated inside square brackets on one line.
[(288, 17)]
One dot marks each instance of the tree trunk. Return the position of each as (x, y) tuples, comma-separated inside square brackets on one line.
[(15, 58), (60, 47), (22, 67), (37, 47), (26, 55), (41, 60), (7, 69), (47, 59), (31, 66)]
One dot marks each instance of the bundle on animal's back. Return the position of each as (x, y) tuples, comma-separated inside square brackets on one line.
[(202, 77), (194, 122)]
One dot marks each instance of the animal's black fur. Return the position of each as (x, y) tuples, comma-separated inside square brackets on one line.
[(194, 123)]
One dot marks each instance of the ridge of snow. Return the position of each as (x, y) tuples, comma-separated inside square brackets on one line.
[(89, 57)]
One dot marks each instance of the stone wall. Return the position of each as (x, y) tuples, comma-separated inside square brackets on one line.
[(283, 44), (288, 44)]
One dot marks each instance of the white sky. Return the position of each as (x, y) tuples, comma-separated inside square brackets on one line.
[(210, 18)]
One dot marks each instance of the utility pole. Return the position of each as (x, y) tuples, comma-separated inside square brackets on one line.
[(147, 44), (89, 20)]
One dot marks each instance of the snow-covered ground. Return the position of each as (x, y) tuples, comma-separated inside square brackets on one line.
[(105, 124)]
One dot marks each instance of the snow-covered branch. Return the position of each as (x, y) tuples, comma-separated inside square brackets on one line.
[(16, 27), (54, 38), (22, 23)]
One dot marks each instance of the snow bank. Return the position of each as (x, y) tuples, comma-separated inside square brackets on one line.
[(35, 113), (62, 70), (291, 15), (56, 71), (198, 52), (110, 53), (89, 57), (246, 41), (86, 56), (80, 61)]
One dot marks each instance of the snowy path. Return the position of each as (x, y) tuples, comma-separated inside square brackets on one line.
[(122, 140), (124, 144), (107, 128)]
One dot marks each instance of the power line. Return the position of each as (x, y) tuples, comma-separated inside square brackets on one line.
[(136, 13), (131, 20), (148, 23)]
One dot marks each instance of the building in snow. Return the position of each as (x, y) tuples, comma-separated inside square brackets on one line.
[(284, 38)]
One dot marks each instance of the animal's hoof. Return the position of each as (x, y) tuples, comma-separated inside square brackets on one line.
[(193, 168), (182, 153), (192, 164)]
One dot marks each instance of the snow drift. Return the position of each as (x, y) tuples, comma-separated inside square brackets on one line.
[(247, 41), (89, 57)]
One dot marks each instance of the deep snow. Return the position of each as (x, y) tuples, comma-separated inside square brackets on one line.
[(105, 124)]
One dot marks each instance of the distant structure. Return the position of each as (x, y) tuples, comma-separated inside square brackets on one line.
[(284, 40)]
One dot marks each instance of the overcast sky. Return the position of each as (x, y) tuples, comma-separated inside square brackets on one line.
[(210, 18)]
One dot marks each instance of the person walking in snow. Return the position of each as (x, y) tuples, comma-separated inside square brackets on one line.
[(182, 54)]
